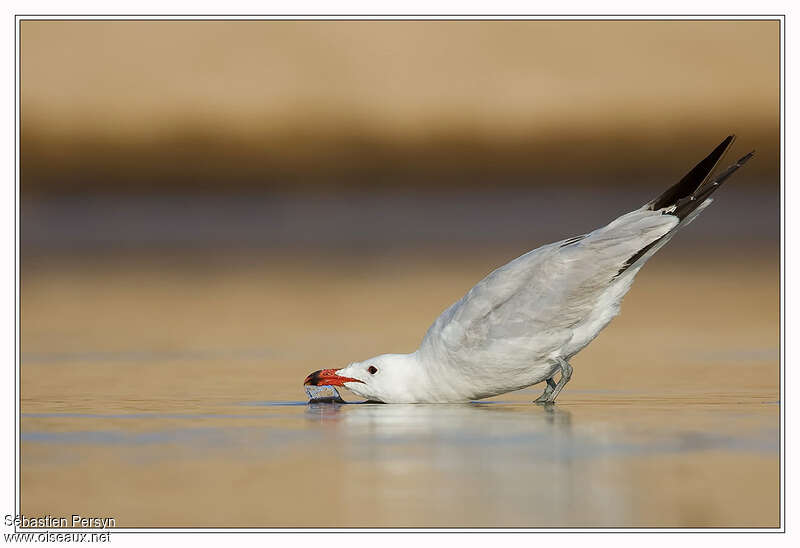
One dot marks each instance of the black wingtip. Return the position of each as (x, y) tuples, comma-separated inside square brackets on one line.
[(695, 178), (687, 205), (743, 160)]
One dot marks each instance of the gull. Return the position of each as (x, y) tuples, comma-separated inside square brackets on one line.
[(522, 323)]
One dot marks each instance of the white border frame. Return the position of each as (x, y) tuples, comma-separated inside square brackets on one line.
[(18, 18)]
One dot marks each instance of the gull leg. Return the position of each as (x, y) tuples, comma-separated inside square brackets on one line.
[(551, 384), (566, 375)]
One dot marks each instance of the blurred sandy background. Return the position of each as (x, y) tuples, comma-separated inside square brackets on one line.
[(222, 106), (210, 210)]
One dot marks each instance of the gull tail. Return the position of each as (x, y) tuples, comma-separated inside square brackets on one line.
[(686, 198)]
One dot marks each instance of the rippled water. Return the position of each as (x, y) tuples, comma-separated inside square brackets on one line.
[(172, 396), (600, 459)]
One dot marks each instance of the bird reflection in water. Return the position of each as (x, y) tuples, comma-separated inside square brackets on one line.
[(487, 450), (457, 422)]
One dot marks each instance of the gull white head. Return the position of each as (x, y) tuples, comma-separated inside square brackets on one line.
[(386, 378)]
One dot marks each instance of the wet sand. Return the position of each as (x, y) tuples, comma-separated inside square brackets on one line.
[(166, 392)]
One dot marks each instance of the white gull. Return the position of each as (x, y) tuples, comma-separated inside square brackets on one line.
[(521, 324)]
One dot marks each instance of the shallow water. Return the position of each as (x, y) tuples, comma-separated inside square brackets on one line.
[(166, 395), (598, 460)]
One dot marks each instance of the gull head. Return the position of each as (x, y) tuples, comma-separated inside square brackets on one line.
[(389, 378)]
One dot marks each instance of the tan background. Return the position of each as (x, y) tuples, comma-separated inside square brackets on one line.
[(219, 106), (212, 210)]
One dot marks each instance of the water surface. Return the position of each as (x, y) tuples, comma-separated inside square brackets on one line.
[(167, 394)]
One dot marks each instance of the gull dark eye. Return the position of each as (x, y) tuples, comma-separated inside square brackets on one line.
[(372, 369)]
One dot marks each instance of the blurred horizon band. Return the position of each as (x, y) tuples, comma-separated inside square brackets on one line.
[(154, 106)]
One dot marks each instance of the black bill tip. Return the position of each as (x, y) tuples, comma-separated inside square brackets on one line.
[(313, 379)]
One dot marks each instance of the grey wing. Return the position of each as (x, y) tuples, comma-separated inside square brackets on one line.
[(555, 299), (530, 309)]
